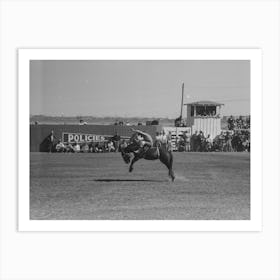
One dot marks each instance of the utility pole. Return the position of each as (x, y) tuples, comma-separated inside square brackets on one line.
[(182, 101)]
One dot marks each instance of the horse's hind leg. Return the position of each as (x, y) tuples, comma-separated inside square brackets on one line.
[(132, 162), (171, 174), (168, 162)]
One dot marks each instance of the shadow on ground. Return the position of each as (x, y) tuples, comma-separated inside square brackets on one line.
[(127, 180)]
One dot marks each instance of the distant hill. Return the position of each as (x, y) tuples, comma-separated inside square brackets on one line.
[(42, 119)]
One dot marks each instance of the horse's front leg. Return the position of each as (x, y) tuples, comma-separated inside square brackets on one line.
[(132, 162)]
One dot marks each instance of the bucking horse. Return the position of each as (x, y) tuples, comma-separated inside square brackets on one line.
[(152, 153)]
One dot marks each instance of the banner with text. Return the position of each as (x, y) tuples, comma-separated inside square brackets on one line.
[(81, 137)]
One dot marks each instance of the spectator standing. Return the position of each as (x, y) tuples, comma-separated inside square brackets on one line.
[(221, 140), (199, 142), (51, 139), (169, 141), (184, 136), (234, 142), (187, 143), (181, 146), (228, 144), (216, 144), (230, 123), (158, 139), (239, 142), (164, 139), (246, 145), (208, 143), (91, 147), (194, 141), (116, 140)]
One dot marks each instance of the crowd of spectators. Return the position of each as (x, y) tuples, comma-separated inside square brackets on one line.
[(238, 122), (237, 140), (92, 147), (163, 139), (227, 141)]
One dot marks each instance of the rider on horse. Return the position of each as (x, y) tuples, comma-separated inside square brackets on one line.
[(141, 146), (144, 140)]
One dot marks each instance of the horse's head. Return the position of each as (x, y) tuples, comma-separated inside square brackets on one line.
[(125, 155)]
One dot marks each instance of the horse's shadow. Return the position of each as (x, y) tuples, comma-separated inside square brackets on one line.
[(128, 180)]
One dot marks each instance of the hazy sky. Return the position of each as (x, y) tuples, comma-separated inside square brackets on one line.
[(136, 88)]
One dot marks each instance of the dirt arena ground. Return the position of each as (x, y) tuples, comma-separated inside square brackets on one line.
[(208, 186)]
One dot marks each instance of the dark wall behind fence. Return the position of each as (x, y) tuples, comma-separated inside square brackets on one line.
[(38, 133)]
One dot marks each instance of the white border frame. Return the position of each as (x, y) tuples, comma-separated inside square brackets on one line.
[(24, 57)]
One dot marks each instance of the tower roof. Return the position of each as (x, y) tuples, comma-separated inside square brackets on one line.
[(205, 103)]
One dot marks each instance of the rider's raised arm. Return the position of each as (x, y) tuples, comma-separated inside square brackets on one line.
[(146, 135), (137, 131)]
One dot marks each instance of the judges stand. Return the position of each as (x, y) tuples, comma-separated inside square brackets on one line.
[(204, 116)]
